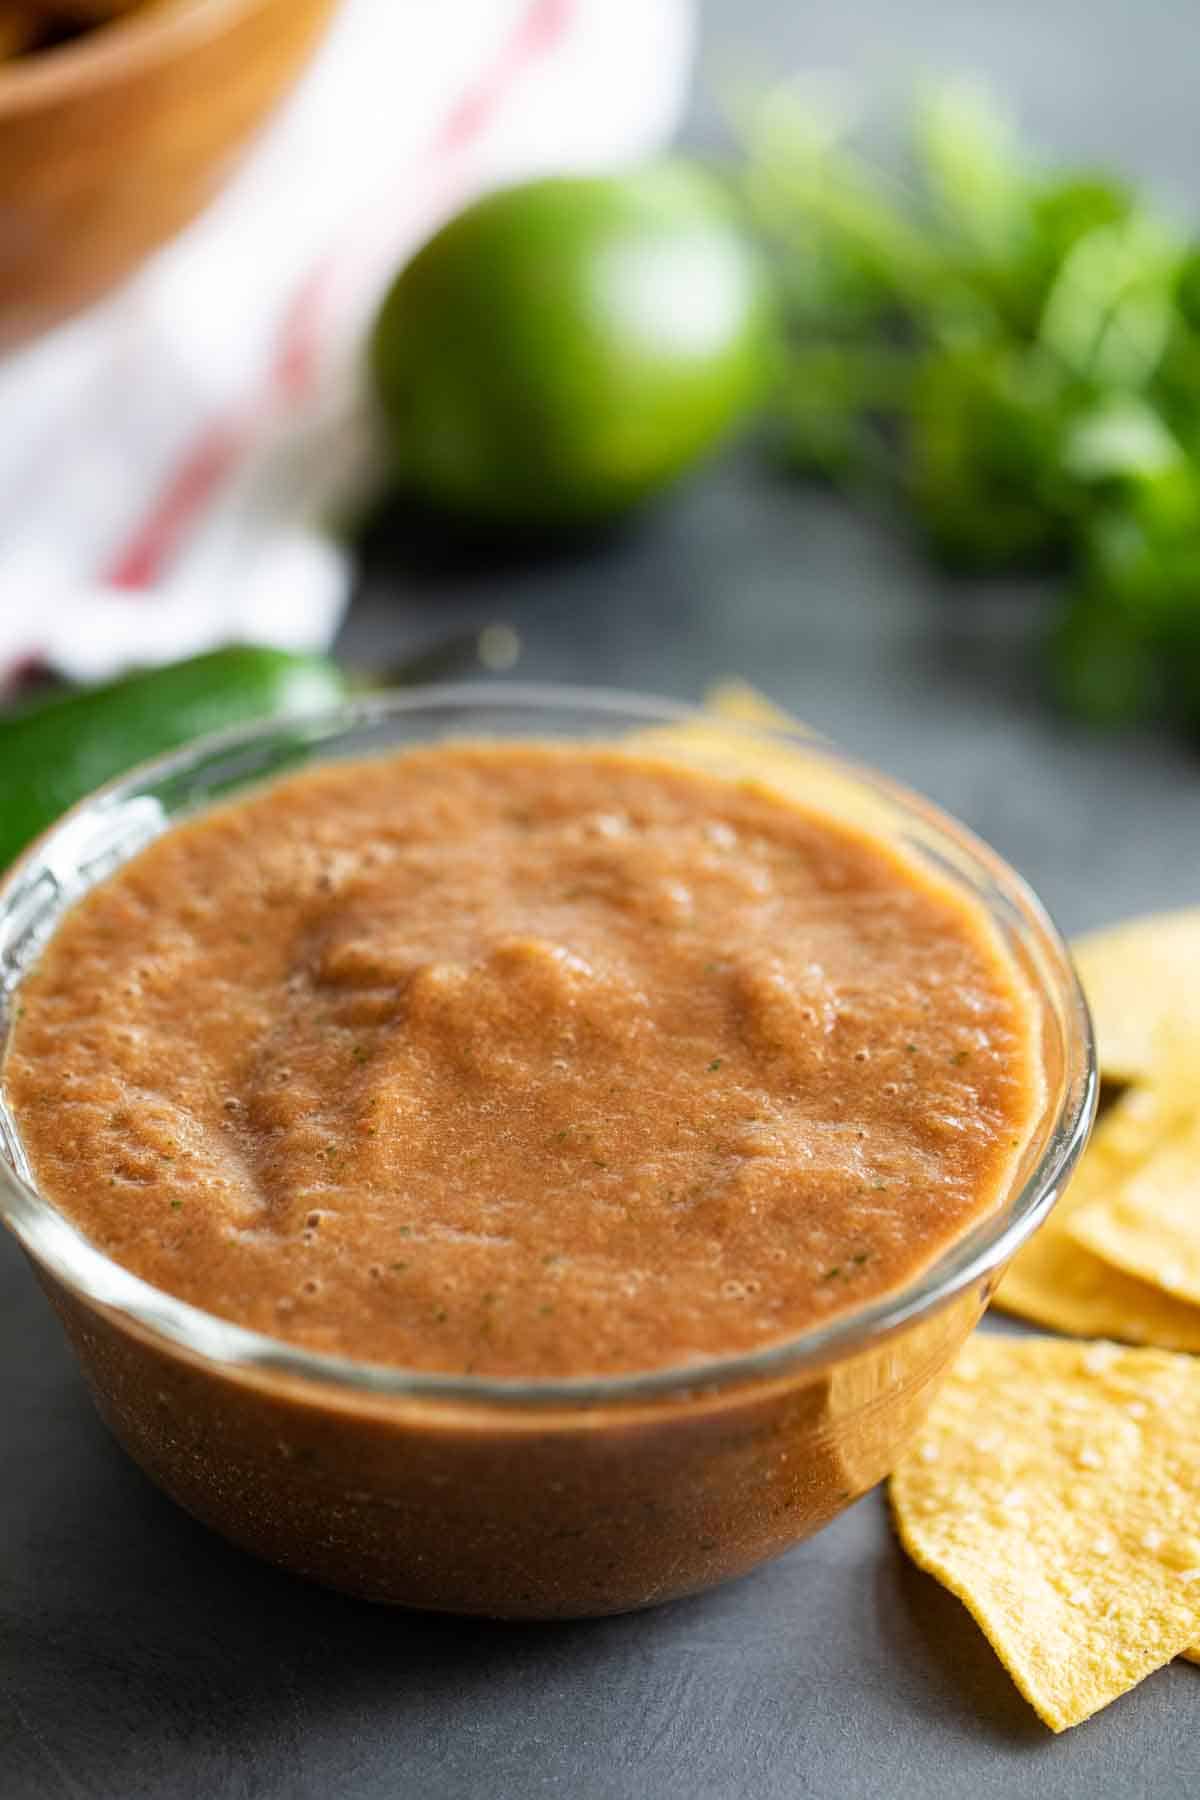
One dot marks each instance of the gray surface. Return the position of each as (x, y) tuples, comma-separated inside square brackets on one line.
[(139, 1657)]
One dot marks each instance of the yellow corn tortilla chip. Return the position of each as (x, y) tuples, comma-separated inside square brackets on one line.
[(1068, 1289), (725, 743), (1055, 1281), (1149, 1225), (1055, 1489), (1137, 976), (738, 701)]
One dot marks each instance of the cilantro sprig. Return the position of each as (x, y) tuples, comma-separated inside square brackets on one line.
[(1009, 350)]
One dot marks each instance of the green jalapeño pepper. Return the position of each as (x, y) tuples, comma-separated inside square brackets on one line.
[(55, 752)]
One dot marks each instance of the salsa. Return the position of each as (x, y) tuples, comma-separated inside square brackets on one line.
[(521, 1059)]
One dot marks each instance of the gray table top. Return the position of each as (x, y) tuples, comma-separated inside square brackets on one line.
[(141, 1657)]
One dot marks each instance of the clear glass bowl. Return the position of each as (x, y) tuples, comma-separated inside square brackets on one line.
[(548, 1498)]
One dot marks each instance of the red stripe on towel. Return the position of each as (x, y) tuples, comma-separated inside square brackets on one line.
[(219, 450)]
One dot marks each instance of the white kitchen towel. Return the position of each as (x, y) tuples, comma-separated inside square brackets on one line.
[(170, 460)]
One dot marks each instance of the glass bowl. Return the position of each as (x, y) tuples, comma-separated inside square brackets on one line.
[(537, 1498)]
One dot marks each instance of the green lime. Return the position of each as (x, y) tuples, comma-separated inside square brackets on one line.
[(563, 349)]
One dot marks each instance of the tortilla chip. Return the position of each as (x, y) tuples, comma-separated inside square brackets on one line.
[(1067, 1289), (1055, 1489), (1138, 976), (738, 701), (1055, 1281), (798, 766), (1149, 1226)]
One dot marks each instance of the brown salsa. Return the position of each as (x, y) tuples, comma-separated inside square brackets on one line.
[(522, 1060)]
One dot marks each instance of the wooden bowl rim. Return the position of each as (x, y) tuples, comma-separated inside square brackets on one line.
[(124, 47)]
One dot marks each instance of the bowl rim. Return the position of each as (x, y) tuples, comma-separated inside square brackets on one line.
[(53, 1242), (114, 48)]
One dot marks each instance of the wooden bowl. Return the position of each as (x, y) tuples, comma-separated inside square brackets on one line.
[(112, 143)]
